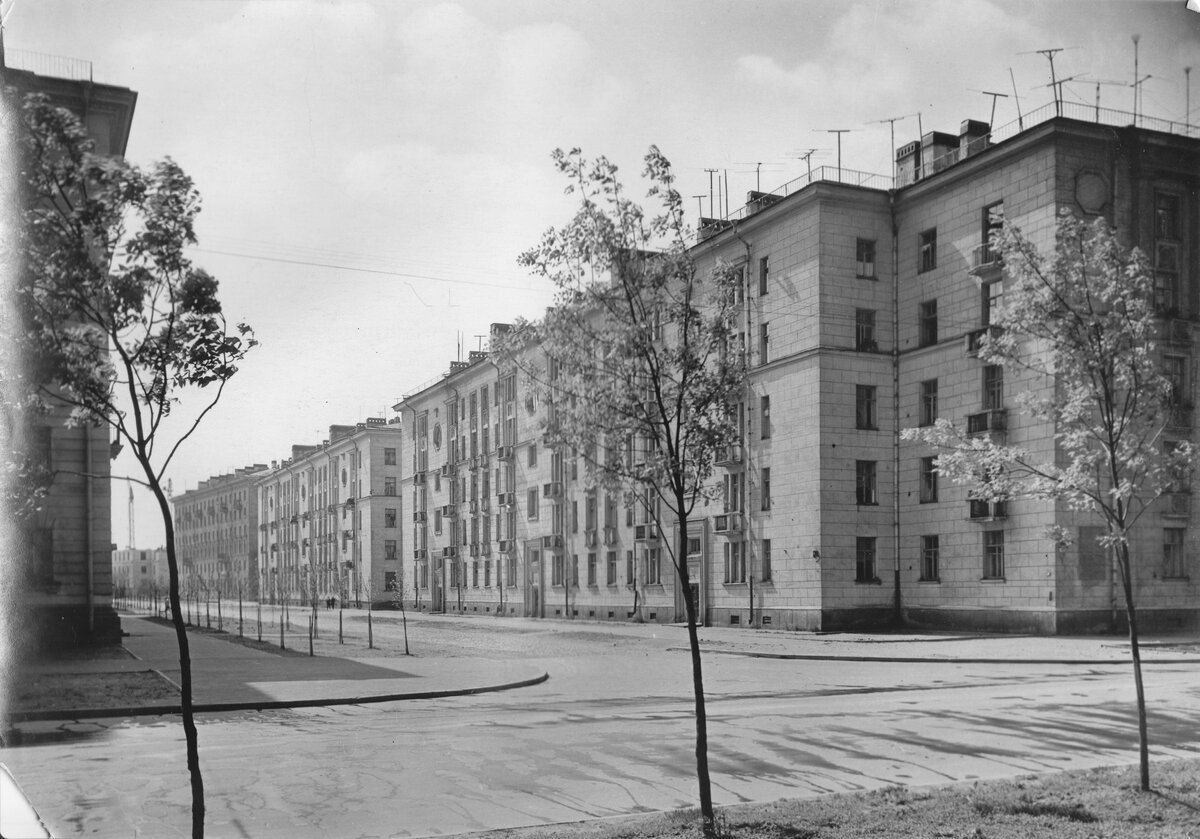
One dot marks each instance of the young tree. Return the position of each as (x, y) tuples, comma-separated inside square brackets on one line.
[(121, 322), (1081, 326), (636, 366)]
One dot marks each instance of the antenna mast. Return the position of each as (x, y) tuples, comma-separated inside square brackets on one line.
[(132, 541), (1049, 53)]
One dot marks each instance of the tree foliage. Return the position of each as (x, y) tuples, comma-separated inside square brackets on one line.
[(636, 361), (117, 320), (1079, 328)]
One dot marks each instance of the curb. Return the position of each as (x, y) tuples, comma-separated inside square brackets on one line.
[(929, 660), (269, 705)]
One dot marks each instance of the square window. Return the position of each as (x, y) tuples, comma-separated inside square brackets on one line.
[(864, 407), (864, 560), (929, 323), (927, 250), (930, 558), (864, 330), (864, 472), (865, 259), (929, 401), (1174, 564), (389, 517), (929, 480), (993, 554), (389, 457)]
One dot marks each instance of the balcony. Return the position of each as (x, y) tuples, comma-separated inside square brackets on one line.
[(1180, 417), (449, 551), (419, 516), (610, 536), (445, 470), (1177, 332), (506, 546), (553, 489), (504, 453), (552, 542), (974, 341), (420, 553), (985, 511), (730, 455), (727, 523), (993, 423), (506, 499), (645, 533), (1177, 505), (474, 549), (418, 478), (591, 538), (449, 511), (986, 263)]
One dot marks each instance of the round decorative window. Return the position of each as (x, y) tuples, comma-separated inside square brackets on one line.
[(437, 435)]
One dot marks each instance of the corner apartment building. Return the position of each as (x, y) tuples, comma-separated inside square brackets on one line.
[(216, 527), (863, 312), (67, 585), (864, 301), (330, 523)]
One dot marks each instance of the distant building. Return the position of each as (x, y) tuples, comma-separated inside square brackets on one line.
[(216, 526), (68, 543), (140, 573), (330, 518)]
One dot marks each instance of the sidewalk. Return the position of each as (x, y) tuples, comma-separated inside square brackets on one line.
[(228, 676)]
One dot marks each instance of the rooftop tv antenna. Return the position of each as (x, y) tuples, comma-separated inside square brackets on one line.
[(891, 121), (1017, 99), (839, 132), (995, 96), (1136, 84), (1187, 100), (699, 205), (807, 158), (1098, 83), (710, 172), (1050, 53)]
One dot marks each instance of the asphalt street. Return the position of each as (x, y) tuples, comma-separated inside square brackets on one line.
[(610, 733)]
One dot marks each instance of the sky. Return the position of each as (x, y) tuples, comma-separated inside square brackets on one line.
[(371, 171)]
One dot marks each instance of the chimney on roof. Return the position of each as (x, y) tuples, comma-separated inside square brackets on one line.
[(908, 164), (973, 137), (938, 150)]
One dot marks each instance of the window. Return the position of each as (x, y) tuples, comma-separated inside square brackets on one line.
[(575, 570), (653, 567), (766, 489), (389, 517), (763, 340), (864, 474), (629, 569), (993, 554), (610, 568), (762, 276), (1166, 252), (735, 562), (389, 486), (992, 299), (927, 250), (929, 482), (864, 330), (929, 326), (532, 503), (591, 569), (929, 559), (865, 259), (1174, 564), (556, 570), (389, 457), (766, 560), (993, 387), (864, 560), (864, 407), (1174, 371), (929, 401), (734, 486), (532, 454), (389, 580), (437, 522), (764, 409), (389, 548)]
